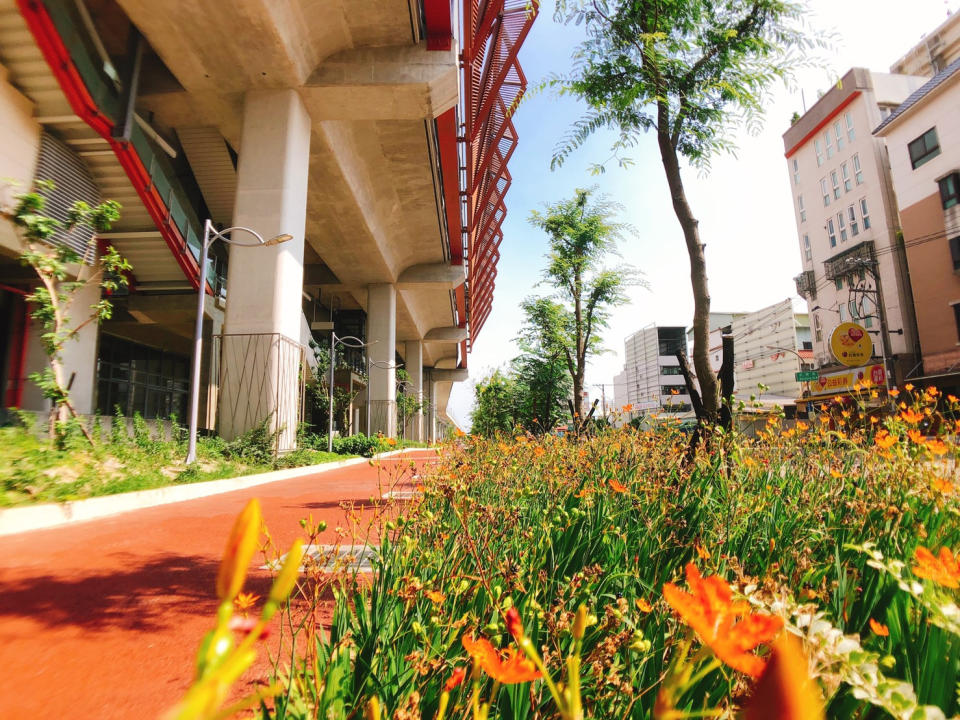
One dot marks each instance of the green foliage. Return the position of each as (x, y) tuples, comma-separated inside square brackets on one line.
[(55, 263), (546, 526), (582, 235), (493, 405), (141, 433), (256, 445), (118, 427), (687, 69)]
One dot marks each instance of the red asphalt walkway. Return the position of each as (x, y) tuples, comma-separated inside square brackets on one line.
[(103, 619)]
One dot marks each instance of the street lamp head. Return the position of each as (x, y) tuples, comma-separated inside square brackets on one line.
[(277, 240)]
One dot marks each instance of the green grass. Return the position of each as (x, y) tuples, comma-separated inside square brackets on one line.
[(35, 470)]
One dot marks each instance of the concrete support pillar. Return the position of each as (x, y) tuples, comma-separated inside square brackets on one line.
[(413, 362), (261, 349), (382, 336)]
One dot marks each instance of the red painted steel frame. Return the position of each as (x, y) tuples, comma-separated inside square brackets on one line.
[(493, 82), (71, 83)]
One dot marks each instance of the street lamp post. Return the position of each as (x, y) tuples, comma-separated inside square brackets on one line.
[(210, 235), (334, 341)]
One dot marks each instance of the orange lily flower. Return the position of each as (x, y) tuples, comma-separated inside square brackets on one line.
[(785, 690), (911, 416), (512, 668), (455, 679), (943, 569), (937, 447), (617, 486), (879, 628), (942, 485), (729, 629), (884, 440), (241, 545), (916, 436)]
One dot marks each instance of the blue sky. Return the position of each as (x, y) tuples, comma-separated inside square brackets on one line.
[(744, 205)]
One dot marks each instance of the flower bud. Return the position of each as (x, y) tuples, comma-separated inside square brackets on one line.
[(515, 624), (580, 622), (241, 545)]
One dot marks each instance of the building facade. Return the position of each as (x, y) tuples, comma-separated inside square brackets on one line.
[(342, 125), (934, 52), (651, 382), (923, 140), (854, 265)]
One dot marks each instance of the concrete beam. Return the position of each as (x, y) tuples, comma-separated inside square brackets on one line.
[(320, 275), (446, 335), (432, 275), (439, 375), (400, 82)]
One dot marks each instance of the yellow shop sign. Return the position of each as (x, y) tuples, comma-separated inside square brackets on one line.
[(851, 345), (843, 381)]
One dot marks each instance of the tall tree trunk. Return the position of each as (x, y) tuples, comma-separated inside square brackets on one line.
[(698, 276)]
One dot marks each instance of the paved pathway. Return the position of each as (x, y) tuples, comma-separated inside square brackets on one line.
[(102, 619)]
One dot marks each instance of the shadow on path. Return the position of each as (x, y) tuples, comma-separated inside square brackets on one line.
[(145, 597)]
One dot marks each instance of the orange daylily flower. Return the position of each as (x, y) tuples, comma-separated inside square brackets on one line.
[(884, 440), (943, 569), (879, 628), (916, 436), (643, 606), (942, 485), (728, 628), (937, 446), (701, 552), (616, 485), (435, 596), (908, 387), (244, 601), (628, 407), (785, 690), (512, 668), (893, 392)]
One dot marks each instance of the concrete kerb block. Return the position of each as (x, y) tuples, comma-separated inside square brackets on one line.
[(50, 515)]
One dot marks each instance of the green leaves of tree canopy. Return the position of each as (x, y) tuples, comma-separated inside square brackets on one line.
[(582, 234)]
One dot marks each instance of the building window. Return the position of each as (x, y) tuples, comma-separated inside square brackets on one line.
[(670, 370), (819, 148), (858, 173), (141, 379), (843, 227), (796, 172), (836, 185), (868, 312), (843, 313), (849, 120), (864, 213), (803, 212), (817, 331), (807, 251), (956, 318), (845, 174), (852, 216), (831, 232), (955, 252), (828, 141), (924, 148), (824, 191), (838, 282), (950, 190), (839, 133)]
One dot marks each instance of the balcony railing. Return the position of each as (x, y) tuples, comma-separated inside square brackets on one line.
[(806, 284), (850, 261)]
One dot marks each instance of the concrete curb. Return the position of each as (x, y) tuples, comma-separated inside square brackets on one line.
[(39, 517)]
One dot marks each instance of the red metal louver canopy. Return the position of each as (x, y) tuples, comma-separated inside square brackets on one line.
[(493, 83)]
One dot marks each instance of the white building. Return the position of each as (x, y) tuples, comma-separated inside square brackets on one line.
[(651, 381), (854, 267)]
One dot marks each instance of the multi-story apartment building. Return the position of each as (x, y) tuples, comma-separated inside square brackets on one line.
[(651, 381), (923, 140), (854, 267), (934, 52), (770, 346), (375, 134)]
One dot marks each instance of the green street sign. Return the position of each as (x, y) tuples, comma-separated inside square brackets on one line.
[(807, 376)]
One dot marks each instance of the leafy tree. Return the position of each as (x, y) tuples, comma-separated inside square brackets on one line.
[(62, 276), (541, 388), (690, 71), (318, 391), (582, 235), (407, 404), (493, 409)]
